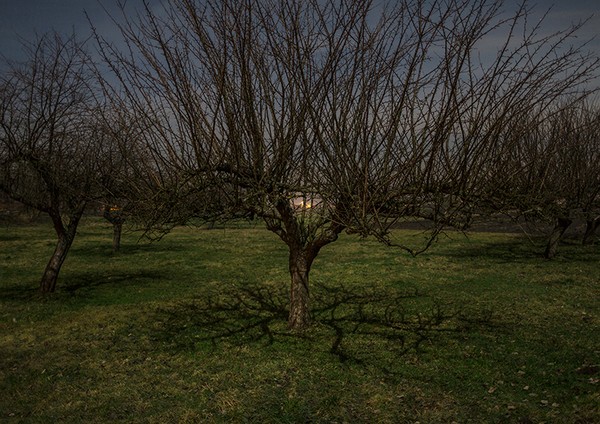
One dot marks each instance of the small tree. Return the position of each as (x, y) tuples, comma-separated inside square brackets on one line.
[(366, 113), (48, 139), (118, 165)]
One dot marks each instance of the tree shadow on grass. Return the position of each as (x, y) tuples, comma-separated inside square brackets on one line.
[(18, 293), (76, 284), (368, 326), (85, 281), (516, 248), (93, 250), (521, 249), (510, 250)]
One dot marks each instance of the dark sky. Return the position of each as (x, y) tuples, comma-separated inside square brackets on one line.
[(25, 18)]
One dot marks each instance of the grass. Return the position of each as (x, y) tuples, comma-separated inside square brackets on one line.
[(192, 329)]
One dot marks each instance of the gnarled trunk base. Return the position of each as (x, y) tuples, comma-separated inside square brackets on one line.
[(557, 233)]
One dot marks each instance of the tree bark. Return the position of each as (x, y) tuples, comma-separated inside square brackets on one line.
[(117, 230), (66, 235), (557, 232), (50, 276), (590, 230), (300, 261), (114, 216)]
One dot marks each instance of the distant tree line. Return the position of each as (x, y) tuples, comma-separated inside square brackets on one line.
[(315, 117)]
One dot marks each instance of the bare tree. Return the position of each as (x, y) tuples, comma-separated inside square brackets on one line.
[(320, 117), (119, 162), (549, 172), (574, 183), (48, 139), (588, 177)]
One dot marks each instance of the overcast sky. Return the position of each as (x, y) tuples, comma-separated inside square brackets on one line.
[(26, 18)]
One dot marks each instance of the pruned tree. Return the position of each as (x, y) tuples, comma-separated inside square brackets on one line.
[(323, 117), (49, 142)]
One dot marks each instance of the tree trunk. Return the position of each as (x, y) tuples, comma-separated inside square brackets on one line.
[(559, 229), (300, 263), (117, 230), (66, 235), (113, 214), (590, 230), (302, 252), (48, 283)]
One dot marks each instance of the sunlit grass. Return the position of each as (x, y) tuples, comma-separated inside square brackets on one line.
[(193, 329)]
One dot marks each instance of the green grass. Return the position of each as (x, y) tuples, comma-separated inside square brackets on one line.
[(193, 329)]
